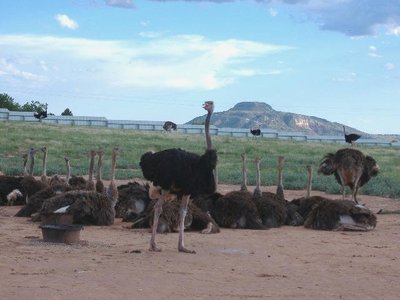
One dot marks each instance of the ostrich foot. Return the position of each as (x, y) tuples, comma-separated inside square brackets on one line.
[(154, 248), (211, 228), (182, 248), (350, 227)]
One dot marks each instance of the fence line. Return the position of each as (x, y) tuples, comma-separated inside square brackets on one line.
[(6, 115)]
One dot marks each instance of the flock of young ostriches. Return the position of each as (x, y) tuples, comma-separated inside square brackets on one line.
[(181, 194)]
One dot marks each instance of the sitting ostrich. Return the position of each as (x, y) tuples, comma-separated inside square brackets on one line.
[(351, 168), (350, 138), (99, 181), (90, 185), (271, 207), (36, 201), (87, 207), (235, 209), (29, 184), (340, 215), (169, 126), (182, 173), (133, 201)]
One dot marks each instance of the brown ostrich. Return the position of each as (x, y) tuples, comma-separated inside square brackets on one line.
[(181, 173), (350, 168), (36, 201), (87, 207), (99, 182), (340, 215), (133, 201), (90, 186), (29, 184), (270, 206)]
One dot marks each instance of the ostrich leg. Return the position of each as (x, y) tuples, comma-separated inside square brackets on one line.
[(182, 214), (157, 212)]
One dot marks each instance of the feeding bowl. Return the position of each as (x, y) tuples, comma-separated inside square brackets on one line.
[(61, 233), (56, 218)]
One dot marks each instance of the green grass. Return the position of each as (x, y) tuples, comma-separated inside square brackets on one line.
[(75, 142)]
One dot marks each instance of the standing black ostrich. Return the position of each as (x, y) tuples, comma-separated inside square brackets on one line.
[(350, 138), (256, 131), (182, 173), (40, 115), (169, 126)]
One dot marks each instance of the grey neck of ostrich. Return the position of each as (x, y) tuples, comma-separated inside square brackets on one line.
[(207, 130), (68, 176), (112, 191), (309, 180), (98, 176), (25, 158), (32, 157), (91, 166), (257, 190), (44, 164), (244, 173), (279, 188)]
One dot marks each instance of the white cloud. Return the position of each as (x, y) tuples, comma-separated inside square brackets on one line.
[(120, 3), (177, 62), (9, 69), (373, 52), (66, 21), (349, 77), (390, 66), (273, 12)]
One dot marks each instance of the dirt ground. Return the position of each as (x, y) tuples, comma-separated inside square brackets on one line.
[(285, 263)]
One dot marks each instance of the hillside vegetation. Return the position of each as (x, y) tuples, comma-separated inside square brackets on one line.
[(76, 142)]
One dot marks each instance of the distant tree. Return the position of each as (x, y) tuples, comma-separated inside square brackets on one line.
[(34, 106), (67, 112), (8, 102)]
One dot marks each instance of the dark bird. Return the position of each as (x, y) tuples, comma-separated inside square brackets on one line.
[(351, 168), (40, 115), (350, 138), (169, 126), (255, 131), (181, 173)]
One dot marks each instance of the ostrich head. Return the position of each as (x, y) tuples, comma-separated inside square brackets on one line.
[(371, 166), (209, 106)]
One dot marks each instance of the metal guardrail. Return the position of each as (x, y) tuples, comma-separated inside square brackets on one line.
[(6, 115)]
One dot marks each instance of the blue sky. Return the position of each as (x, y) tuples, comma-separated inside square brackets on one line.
[(160, 60)]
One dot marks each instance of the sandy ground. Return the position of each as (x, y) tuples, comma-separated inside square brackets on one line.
[(284, 263)]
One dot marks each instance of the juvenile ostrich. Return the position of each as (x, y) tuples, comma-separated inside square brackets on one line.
[(29, 184), (182, 173), (350, 168), (340, 215), (99, 181), (36, 201), (270, 206), (169, 126), (350, 138), (133, 201), (87, 207), (90, 186)]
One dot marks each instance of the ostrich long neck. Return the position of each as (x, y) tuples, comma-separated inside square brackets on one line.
[(44, 165), (25, 158), (112, 191), (309, 180), (98, 176), (207, 130), (257, 190), (32, 157), (91, 166), (279, 188), (244, 173), (68, 176)]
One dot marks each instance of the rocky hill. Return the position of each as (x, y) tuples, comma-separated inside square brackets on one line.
[(249, 114)]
